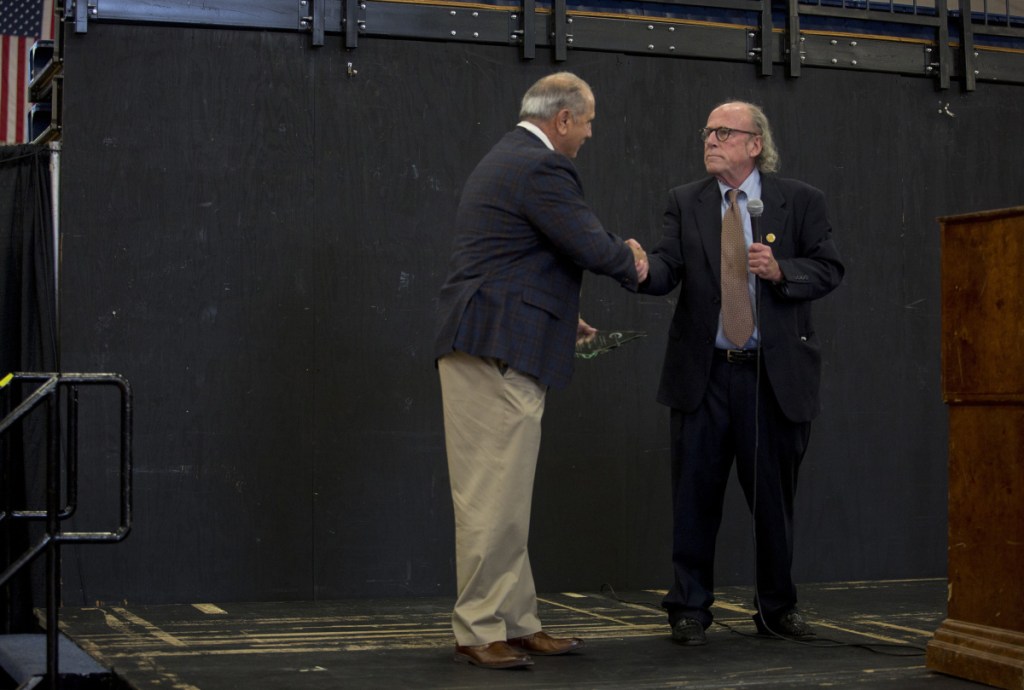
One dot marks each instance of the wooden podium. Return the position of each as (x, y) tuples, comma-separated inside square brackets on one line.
[(982, 639)]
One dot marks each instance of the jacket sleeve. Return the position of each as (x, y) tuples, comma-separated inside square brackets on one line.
[(666, 263), (554, 204), (816, 267)]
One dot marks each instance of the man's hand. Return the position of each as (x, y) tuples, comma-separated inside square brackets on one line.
[(639, 259), (584, 331), (762, 263)]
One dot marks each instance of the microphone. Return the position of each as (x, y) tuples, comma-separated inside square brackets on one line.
[(755, 207)]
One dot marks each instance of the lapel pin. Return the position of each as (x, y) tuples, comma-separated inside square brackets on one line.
[(770, 237)]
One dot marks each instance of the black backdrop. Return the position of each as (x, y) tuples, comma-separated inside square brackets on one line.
[(255, 239)]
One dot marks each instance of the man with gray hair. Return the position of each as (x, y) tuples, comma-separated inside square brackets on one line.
[(508, 322), (743, 362)]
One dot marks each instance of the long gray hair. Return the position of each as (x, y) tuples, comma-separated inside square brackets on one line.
[(768, 160)]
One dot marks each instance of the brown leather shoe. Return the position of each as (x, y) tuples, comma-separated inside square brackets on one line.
[(493, 655), (542, 644)]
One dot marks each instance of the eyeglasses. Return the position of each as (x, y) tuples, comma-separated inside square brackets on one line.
[(723, 133)]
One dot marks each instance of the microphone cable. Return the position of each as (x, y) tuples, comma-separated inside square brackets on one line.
[(755, 207)]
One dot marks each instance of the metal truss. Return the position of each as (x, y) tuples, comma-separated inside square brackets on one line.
[(914, 39)]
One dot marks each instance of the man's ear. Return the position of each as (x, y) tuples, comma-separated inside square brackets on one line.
[(562, 121), (757, 145)]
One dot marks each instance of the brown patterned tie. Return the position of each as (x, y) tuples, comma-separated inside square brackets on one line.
[(737, 315)]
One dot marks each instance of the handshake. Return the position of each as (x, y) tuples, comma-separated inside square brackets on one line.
[(640, 259), (585, 333)]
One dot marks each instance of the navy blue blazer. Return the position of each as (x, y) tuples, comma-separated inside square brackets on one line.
[(688, 254), (523, 237)]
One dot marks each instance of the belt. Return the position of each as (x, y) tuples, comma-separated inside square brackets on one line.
[(737, 356)]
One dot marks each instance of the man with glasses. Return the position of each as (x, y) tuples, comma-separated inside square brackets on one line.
[(743, 363)]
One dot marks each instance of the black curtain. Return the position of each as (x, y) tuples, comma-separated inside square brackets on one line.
[(28, 342)]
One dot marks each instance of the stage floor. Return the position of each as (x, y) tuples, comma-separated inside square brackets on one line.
[(871, 635)]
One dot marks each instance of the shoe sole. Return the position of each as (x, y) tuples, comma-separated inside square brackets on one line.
[(800, 637), (685, 639), (764, 631), (466, 659), (534, 652), (689, 643)]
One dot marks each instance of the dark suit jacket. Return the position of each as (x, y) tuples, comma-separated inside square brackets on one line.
[(688, 254), (523, 237)]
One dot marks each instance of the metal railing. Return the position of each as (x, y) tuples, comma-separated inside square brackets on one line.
[(58, 476)]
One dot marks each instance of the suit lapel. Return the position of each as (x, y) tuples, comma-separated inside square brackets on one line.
[(773, 220), (708, 217), (709, 225)]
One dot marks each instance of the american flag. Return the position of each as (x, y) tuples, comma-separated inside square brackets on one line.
[(22, 22)]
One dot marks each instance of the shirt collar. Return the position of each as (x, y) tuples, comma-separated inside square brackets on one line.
[(530, 127), (751, 186)]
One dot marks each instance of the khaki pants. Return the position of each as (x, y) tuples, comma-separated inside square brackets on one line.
[(492, 424)]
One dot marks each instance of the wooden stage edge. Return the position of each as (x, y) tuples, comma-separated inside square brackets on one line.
[(993, 656)]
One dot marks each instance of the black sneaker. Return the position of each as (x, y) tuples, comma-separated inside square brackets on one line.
[(688, 631), (790, 624)]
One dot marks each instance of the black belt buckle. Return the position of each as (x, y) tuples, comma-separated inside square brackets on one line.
[(740, 356)]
